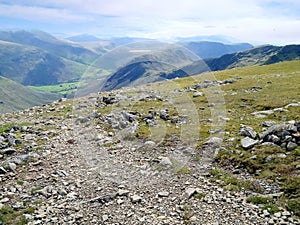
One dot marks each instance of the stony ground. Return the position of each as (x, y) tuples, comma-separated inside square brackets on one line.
[(69, 170)]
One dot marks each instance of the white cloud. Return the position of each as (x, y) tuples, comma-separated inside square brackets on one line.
[(250, 20), (41, 14)]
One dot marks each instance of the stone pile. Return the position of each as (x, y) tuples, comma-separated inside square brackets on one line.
[(286, 136), (210, 83)]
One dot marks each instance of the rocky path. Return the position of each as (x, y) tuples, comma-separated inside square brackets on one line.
[(82, 174)]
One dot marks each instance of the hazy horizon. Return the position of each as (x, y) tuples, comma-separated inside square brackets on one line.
[(253, 21)]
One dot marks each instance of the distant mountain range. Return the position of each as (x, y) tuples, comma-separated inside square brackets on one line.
[(83, 38), (117, 41), (37, 58), (210, 38), (139, 63), (126, 40), (206, 49)]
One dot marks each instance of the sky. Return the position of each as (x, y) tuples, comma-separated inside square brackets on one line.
[(254, 21)]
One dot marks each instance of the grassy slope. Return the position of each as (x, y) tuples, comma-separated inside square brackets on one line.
[(280, 85), (34, 66), (14, 96), (50, 44)]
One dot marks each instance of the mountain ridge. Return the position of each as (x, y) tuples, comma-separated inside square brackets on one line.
[(49, 43), (263, 55)]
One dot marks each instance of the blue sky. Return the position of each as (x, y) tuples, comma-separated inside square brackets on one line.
[(255, 21)]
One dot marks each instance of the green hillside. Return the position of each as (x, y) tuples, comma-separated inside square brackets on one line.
[(137, 73), (14, 96), (32, 66), (51, 44)]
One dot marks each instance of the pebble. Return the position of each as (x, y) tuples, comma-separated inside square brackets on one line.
[(191, 191), (135, 199), (266, 213), (277, 214), (163, 194), (4, 200), (105, 218), (165, 161), (197, 94), (122, 192)]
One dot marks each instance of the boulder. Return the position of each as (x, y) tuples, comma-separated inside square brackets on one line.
[(273, 138), (135, 198), (291, 146), (8, 151)]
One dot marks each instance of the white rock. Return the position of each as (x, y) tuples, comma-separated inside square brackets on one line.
[(165, 161), (286, 213), (4, 200), (163, 194), (248, 142), (277, 214), (104, 218), (191, 191), (197, 94), (122, 192), (135, 199)]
